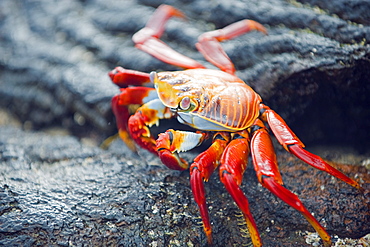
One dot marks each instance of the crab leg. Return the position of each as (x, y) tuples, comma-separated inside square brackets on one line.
[(233, 164), (292, 144), (265, 164), (201, 170), (209, 42), (126, 77), (147, 39)]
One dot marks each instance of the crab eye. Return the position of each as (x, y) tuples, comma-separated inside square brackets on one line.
[(185, 103), (153, 76)]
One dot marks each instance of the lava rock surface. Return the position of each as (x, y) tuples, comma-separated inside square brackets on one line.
[(62, 189)]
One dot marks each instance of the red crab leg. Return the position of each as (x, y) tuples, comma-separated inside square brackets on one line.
[(126, 77), (233, 164), (147, 39), (120, 103), (202, 168), (265, 164), (170, 143), (209, 42), (292, 144)]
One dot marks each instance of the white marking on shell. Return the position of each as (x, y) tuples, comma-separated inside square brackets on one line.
[(151, 96)]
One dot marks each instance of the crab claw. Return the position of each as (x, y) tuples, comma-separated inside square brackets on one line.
[(146, 116), (120, 107), (171, 142), (140, 132)]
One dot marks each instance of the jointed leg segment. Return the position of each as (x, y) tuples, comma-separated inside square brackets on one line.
[(292, 144), (209, 42), (201, 170), (233, 165), (126, 77), (265, 164), (148, 40)]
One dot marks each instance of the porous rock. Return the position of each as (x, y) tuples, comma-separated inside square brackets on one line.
[(312, 68)]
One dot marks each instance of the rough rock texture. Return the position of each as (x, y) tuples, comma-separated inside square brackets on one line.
[(312, 68), (53, 195)]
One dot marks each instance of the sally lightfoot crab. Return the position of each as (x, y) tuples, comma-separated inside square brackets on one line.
[(221, 107)]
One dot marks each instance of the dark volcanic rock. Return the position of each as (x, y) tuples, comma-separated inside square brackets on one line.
[(55, 58), (312, 68), (53, 195)]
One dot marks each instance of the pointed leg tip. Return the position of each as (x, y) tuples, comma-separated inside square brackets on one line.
[(257, 26), (327, 243), (208, 232), (209, 240), (361, 189)]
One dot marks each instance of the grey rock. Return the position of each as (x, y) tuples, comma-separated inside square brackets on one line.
[(312, 69)]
